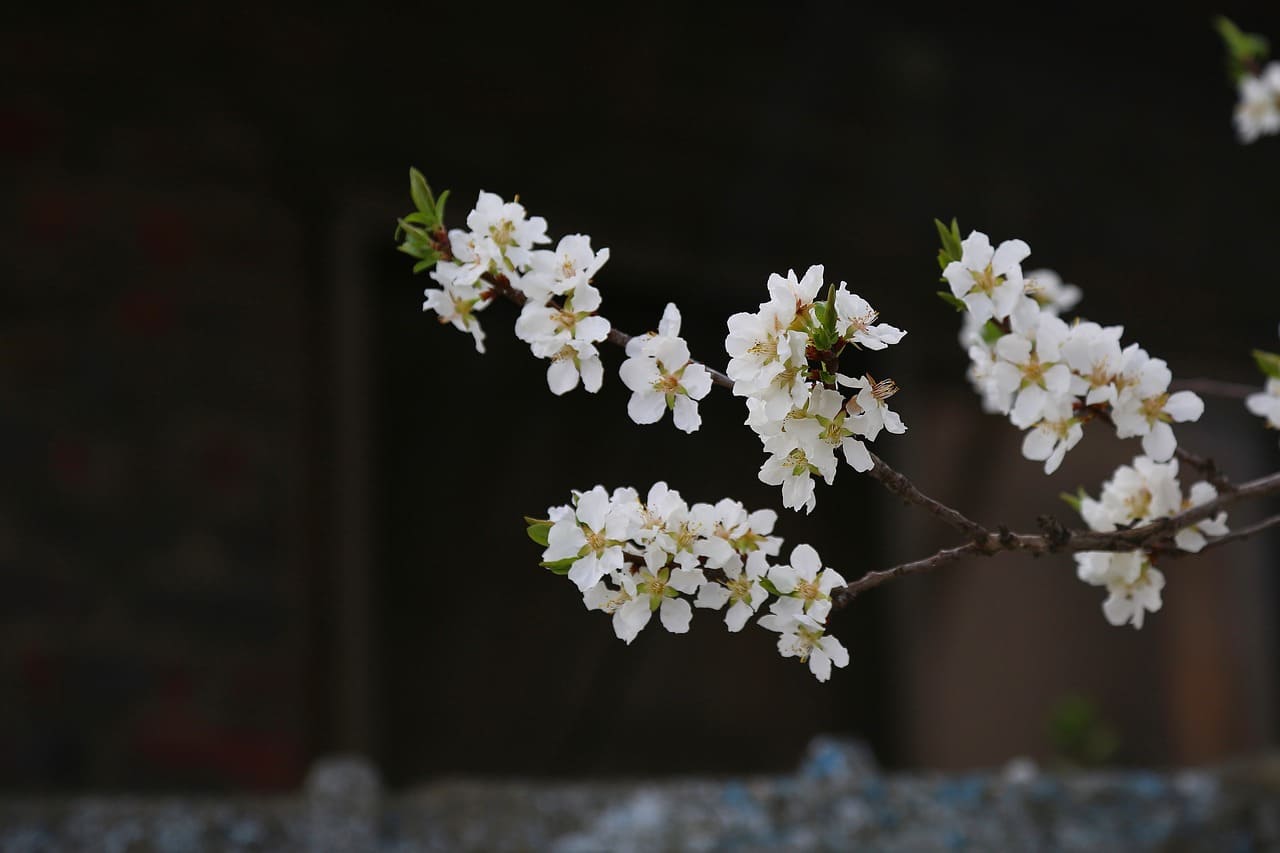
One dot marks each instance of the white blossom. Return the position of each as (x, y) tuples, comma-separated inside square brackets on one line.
[(989, 281), (1258, 112), (802, 635), (662, 376), (1266, 403), (508, 227), (1193, 538), (1146, 409)]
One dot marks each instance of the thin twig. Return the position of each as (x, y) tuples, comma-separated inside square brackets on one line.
[(1233, 536), (1215, 388), (1062, 541), (898, 483)]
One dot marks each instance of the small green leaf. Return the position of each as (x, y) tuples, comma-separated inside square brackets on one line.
[(1074, 501), (950, 298), (769, 587), (949, 236), (444, 196), (559, 567), (1245, 51), (991, 332), (424, 264), (1268, 363), (829, 316), (421, 193), (538, 533)]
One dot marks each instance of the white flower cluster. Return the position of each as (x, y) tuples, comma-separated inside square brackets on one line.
[(782, 360), (662, 376), (558, 320), (1048, 376), (1138, 494), (632, 558), (1258, 112)]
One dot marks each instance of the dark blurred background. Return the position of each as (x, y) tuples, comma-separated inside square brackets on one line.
[(257, 507)]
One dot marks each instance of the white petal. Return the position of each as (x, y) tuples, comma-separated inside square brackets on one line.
[(1159, 444), (675, 614), (562, 376), (1184, 406), (646, 407), (686, 415)]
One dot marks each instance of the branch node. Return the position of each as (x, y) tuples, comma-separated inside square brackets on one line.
[(1056, 535)]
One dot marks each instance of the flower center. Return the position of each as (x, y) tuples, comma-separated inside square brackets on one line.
[(1153, 408), (985, 281), (597, 542), (1139, 503), (809, 591)]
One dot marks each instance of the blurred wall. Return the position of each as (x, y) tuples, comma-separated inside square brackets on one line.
[(240, 518)]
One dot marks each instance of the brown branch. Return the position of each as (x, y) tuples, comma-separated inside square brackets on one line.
[(1233, 536), (1059, 540), (898, 483), (1215, 388)]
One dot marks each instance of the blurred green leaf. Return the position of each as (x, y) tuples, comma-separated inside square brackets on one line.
[(949, 298), (1268, 363), (1079, 734)]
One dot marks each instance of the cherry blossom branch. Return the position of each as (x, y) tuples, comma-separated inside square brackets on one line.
[(1059, 540), (1054, 538)]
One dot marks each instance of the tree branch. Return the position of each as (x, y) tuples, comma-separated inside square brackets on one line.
[(1059, 540), (1215, 388)]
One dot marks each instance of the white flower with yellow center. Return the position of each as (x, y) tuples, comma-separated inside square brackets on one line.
[(507, 225), (1057, 432), (1050, 292), (988, 281), (1146, 408), (1193, 538), (1132, 583), (805, 579), (570, 266), (1028, 370), (856, 322), (456, 310), (1135, 494), (1093, 353), (661, 376), (592, 533), (740, 589), (803, 635), (658, 588)]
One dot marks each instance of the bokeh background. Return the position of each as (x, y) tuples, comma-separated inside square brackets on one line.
[(256, 507)]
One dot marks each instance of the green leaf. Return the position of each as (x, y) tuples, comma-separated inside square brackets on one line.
[(991, 332), (1245, 51), (829, 315), (538, 533), (444, 196), (1074, 501), (950, 298), (424, 264), (421, 193), (1268, 363), (769, 587), (559, 567), (949, 235)]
